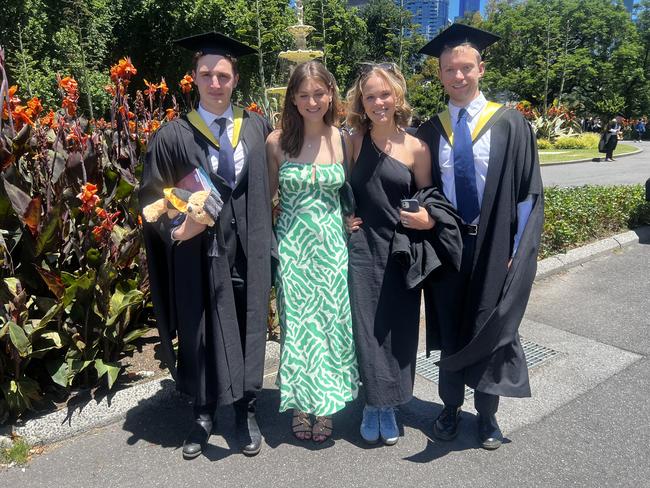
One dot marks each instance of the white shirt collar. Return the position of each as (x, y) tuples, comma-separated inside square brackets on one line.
[(474, 107), (209, 117)]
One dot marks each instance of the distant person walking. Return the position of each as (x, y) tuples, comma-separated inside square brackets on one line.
[(609, 139), (640, 129)]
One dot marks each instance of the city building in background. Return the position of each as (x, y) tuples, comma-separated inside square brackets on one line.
[(429, 15), (469, 7)]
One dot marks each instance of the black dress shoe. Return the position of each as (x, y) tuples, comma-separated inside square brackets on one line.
[(445, 428), (248, 432), (489, 433), (198, 436)]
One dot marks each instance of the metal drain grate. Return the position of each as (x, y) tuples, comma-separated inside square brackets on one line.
[(535, 353)]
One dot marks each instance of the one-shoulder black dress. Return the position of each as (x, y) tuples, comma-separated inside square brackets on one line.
[(385, 315)]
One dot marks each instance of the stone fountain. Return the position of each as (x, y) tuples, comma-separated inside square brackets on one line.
[(300, 31)]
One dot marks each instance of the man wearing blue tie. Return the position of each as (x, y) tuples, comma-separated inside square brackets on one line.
[(485, 160), (210, 285)]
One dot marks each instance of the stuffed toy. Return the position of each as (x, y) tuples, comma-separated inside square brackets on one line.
[(203, 206)]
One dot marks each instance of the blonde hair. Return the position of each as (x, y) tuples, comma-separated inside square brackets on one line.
[(356, 115), (461, 47)]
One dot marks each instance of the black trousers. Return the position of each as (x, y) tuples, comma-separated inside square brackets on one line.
[(450, 292)]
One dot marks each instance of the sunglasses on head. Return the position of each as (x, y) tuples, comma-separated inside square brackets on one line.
[(365, 68)]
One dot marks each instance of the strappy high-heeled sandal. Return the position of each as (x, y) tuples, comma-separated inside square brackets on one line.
[(301, 425), (322, 429)]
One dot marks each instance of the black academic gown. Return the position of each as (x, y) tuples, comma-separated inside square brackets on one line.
[(191, 286), (491, 356)]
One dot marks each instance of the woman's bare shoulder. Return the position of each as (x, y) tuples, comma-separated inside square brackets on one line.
[(416, 145)]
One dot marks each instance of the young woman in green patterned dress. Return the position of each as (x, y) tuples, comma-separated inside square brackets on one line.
[(318, 368)]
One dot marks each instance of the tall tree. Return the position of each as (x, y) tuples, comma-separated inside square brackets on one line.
[(392, 36), (583, 51), (340, 33)]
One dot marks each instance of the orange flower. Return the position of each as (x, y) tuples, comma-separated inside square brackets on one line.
[(50, 120), (108, 222), (22, 115), (70, 106), (132, 126), (13, 101), (88, 198), (151, 127), (123, 70), (253, 107), (101, 124), (35, 106), (170, 113), (152, 88), (69, 84), (163, 87), (110, 89), (186, 84), (77, 140)]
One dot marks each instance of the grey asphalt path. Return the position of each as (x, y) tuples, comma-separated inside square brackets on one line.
[(586, 425), (626, 170)]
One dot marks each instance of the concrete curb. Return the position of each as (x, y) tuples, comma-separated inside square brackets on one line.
[(94, 413), (588, 160), (575, 257)]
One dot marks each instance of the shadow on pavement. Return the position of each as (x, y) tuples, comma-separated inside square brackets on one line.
[(420, 415)]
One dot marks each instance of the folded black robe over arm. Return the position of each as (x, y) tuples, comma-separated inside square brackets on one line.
[(421, 252)]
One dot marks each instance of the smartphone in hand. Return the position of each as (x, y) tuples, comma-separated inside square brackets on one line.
[(410, 205)]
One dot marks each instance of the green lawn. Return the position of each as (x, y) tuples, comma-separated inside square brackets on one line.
[(549, 156)]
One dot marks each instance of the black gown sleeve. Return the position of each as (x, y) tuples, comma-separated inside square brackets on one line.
[(157, 175)]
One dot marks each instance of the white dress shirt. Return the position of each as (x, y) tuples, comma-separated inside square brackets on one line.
[(481, 150), (209, 118)]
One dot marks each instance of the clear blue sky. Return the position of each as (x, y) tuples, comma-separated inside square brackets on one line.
[(453, 8)]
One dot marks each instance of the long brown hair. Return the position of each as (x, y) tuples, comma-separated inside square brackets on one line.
[(293, 131)]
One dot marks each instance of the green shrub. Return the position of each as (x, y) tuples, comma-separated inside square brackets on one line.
[(567, 142), (544, 144), (590, 139), (575, 216)]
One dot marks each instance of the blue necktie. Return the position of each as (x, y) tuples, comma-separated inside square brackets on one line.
[(464, 175), (226, 167)]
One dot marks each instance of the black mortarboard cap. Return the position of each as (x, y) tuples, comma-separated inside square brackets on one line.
[(457, 34), (215, 43)]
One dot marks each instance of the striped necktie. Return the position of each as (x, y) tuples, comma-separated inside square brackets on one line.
[(464, 172)]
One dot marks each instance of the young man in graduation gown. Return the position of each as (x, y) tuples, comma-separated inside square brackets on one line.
[(210, 285), (485, 160)]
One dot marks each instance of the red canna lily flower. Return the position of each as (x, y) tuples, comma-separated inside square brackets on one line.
[(35, 106), (253, 107), (123, 70), (152, 88), (186, 84), (108, 222), (88, 198), (49, 120), (163, 87)]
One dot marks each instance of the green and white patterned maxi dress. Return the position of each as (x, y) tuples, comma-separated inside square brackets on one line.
[(318, 366)]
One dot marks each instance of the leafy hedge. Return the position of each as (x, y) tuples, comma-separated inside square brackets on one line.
[(575, 216), (586, 140)]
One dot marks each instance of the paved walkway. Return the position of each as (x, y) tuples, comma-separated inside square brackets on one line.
[(626, 170), (586, 425)]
